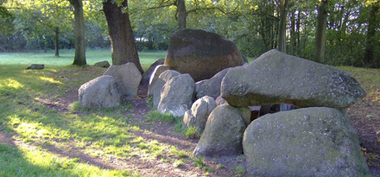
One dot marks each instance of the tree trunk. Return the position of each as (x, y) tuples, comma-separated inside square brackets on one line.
[(123, 43), (298, 26), (320, 36), (369, 57), (56, 30), (293, 33), (45, 44), (282, 28), (182, 14), (80, 48)]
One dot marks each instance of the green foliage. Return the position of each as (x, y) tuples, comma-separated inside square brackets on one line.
[(178, 126), (239, 169), (251, 24), (198, 161), (192, 133), (220, 166), (178, 163), (6, 19)]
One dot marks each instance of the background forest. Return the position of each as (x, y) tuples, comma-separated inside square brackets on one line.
[(350, 28)]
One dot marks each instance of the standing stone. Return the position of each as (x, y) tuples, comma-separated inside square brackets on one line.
[(210, 87), (304, 142), (156, 73), (200, 110), (128, 76), (276, 78), (144, 83), (223, 133), (156, 86), (177, 95), (201, 54), (99, 92)]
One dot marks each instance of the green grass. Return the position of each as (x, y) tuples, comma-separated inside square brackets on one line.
[(192, 133), (67, 57), (26, 162), (157, 116), (102, 133)]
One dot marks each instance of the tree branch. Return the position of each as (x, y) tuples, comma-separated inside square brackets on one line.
[(206, 8), (161, 6)]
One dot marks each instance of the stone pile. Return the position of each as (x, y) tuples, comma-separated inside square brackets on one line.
[(316, 139)]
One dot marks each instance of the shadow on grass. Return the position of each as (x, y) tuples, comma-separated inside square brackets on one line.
[(14, 163)]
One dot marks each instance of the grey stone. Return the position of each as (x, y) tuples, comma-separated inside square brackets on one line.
[(276, 78), (177, 95), (36, 66), (156, 86), (245, 114), (220, 101), (223, 133), (210, 87), (99, 92), (149, 72), (155, 74), (201, 54), (128, 76), (200, 110), (304, 142), (102, 64)]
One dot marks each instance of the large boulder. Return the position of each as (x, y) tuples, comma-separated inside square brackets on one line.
[(304, 142), (156, 86), (223, 133), (177, 95), (201, 54), (200, 110), (100, 92), (210, 87), (276, 78), (128, 76)]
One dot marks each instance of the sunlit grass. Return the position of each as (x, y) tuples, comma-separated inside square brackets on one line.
[(103, 133), (29, 161), (51, 80), (11, 83)]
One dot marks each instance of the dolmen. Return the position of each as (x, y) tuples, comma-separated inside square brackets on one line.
[(315, 140)]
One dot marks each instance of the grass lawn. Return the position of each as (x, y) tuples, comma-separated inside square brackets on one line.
[(43, 133), (67, 57)]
